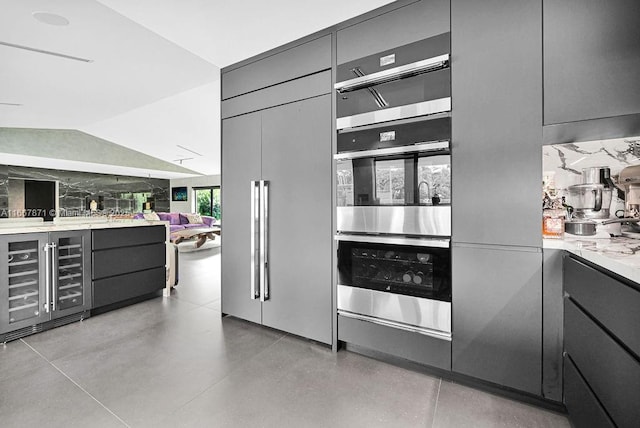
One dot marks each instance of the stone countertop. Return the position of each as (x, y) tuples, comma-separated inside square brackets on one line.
[(620, 255), (89, 224)]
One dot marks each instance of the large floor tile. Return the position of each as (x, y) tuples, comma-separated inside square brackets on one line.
[(298, 384), (46, 398), (461, 406), (17, 359), (107, 327), (145, 377)]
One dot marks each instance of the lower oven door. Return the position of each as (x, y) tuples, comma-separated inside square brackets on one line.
[(399, 282)]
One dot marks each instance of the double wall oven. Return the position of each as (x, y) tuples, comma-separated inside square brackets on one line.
[(393, 193)]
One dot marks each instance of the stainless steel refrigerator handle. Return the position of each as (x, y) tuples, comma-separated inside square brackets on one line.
[(254, 219), (54, 275), (264, 241), (47, 277)]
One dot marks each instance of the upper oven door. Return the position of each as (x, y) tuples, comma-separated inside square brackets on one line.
[(410, 81)]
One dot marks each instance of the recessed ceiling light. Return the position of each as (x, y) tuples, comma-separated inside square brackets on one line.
[(50, 18)]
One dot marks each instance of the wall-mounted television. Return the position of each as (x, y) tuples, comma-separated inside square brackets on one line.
[(179, 194)]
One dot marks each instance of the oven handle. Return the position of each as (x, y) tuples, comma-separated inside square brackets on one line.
[(430, 146), (396, 73), (396, 240)]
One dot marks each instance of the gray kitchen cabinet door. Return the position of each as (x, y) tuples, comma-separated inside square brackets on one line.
[(497, 315), (407, 24), (241, 148), (496, 93), (296, 160), (591, 59)]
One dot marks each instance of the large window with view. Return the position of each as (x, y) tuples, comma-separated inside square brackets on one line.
[(207, 200)]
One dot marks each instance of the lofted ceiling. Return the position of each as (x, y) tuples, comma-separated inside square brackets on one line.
[(142, 74)]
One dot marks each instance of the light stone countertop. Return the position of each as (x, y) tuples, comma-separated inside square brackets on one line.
[(620, 255), (86, 224)]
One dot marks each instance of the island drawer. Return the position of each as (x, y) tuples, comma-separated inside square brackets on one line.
[(610, 371), (613, 303), (123, 287), (118, 261)]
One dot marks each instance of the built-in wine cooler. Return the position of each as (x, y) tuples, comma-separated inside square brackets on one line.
[(46, 281), (397, 281)]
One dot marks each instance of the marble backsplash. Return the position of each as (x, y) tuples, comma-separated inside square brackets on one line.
[(115, 194), (562, 164)]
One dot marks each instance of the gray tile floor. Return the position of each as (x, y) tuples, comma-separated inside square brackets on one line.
[(172, 362)]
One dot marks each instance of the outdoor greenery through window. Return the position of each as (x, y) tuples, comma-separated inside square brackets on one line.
[(208, 201)]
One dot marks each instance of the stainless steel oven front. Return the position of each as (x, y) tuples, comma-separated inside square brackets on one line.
[(393, 180), (396, 281)]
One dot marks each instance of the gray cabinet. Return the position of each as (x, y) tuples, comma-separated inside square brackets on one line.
[(497, 315), (407, 24), (600, 342), (591, 59), (496, 90), (292, 63), (128, 264), (552, 316), (289, 146)]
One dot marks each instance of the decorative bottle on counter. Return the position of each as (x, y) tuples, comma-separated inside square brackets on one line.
[(553, 223)]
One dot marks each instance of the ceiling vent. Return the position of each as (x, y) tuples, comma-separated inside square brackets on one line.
[(42, 51)]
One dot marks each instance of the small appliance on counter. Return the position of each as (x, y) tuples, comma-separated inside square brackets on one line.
[(629, 181), (591, 202)]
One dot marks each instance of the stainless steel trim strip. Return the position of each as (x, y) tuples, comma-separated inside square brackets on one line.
[(424, 108), (416, 312), (414, 148), (399, 122), (254, 220), (419, 67), (413, 329), (395, 240), (264, 242)]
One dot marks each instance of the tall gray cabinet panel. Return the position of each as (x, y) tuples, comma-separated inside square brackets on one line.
[(410, 23), (496, 91), (591, 59), (241, 163), (497, 315), (296, 160)]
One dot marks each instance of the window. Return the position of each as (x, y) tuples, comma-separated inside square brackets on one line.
[(207, 201)]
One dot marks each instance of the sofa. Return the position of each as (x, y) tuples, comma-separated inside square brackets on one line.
[(179, 221)]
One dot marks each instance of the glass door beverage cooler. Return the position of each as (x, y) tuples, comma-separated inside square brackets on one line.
[(46, 281)]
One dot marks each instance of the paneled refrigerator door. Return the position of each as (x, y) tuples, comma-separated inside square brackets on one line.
[(71, 272), (296, 162), (23, 286), (241, 168)]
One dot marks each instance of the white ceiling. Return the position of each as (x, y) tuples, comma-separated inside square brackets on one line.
[(153, 83)]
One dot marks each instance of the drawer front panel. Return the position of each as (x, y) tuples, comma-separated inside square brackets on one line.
[(128, 236), (608, 300), (611, 372), (123, 287), (118, 261), (583, 407)]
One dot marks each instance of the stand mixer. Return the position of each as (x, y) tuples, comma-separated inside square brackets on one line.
[(591, 202)]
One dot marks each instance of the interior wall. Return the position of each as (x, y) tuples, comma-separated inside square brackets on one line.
[(190, 183)]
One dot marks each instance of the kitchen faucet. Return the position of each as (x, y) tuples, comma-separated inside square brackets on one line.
[(428, 190)]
